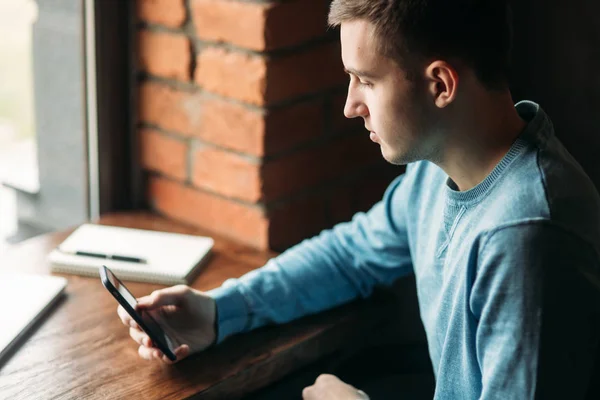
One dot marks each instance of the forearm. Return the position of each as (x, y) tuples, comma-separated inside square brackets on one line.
[(314, 276), (333, 268)]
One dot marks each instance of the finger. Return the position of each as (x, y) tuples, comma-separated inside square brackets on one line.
[(126, 318), (307, 393), (160, 356), (180, 353), (324, 378), (140, 337), (166, 359), (169, 296), (147, 353)]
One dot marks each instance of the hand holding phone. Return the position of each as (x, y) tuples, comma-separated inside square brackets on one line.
[(142, 318), (185, 316)]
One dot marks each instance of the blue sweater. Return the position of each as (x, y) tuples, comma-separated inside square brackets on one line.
[(504, 271)]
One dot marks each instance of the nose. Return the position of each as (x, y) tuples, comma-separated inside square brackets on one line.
[(355, 106)]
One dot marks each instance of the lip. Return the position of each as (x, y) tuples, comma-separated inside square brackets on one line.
[(373, 136)]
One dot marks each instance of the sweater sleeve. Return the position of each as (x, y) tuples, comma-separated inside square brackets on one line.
[(536, 312), (330, 269)]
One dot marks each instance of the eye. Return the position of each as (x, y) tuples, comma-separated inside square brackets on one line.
[(356, 80)]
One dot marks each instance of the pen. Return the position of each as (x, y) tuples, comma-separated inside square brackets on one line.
[(115, 257)]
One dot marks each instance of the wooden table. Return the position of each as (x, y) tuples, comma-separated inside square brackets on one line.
[(81, 349)]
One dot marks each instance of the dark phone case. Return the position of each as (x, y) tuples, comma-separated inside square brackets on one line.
[(134, 314)]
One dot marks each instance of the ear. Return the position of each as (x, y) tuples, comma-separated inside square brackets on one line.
[(442, 82)]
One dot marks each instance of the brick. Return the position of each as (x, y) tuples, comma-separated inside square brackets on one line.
[(313, 70), (169, 13), (238, 176), (297, 220), (226, 173), (163, 154), (233, 126), (257, 132), (245, 223), (260, 26), (171, 109), (235, 22), (315, 166), (291, 126), (232, 74), (164, 54), (230, 125), (294, 22), (260, 81)]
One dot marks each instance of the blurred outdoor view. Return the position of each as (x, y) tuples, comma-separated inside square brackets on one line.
[(17, 119)]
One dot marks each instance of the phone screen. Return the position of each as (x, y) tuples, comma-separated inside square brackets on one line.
[(144, 319), (122, 289)]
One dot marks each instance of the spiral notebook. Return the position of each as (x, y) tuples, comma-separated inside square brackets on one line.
[(132, 254)]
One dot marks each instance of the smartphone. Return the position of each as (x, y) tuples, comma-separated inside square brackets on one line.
[(144, 319)]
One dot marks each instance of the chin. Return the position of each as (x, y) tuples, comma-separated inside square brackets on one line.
[(392, 158), (398, 158)]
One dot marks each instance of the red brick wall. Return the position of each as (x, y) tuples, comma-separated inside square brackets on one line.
[(240, 120)]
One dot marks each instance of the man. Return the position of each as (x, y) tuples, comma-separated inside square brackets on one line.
[(499, 224)]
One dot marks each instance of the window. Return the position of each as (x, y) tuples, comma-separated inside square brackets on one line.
[(18, 158), (64, 113)]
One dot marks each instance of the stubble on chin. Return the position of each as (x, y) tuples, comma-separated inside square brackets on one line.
[(402, 159), (405, 153)]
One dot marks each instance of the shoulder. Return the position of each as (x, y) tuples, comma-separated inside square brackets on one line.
[(535, 239), (549, 176), (545, 183), (572, 197)]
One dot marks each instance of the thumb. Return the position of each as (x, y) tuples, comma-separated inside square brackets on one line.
[(170, 296)]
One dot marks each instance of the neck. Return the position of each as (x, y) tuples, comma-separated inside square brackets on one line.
[(483, 132)]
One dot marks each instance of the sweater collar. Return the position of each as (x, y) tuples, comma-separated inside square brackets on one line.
[(536, 119)]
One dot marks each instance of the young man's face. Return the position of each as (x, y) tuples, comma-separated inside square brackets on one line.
[(394, 109)]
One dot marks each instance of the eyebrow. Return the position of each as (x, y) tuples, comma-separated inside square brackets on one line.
[(359, 73)]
